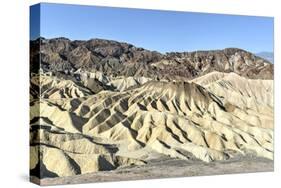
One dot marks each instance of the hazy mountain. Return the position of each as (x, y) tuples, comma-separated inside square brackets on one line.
[(266, 55)]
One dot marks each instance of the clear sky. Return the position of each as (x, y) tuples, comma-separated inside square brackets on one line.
[(163, 31)]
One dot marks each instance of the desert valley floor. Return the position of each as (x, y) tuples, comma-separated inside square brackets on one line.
[(167, 168), (103, 110)]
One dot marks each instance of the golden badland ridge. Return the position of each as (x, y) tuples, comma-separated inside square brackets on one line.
[(131, 120)]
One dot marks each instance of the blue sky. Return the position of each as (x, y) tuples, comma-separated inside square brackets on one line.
[(163, 31)]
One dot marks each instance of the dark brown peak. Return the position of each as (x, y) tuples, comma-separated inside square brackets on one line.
[(229, 51), (78, 42), (75, 43), (37, 40), (99, 40), (105, 42), (174, 53), (232, 51), (59, 39), (244, 54), (205, 52)]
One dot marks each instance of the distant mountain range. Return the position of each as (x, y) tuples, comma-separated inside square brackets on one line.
[(122, 59), (266, 55)]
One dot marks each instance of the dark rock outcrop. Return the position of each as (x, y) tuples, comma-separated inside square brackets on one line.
[(118, 58)]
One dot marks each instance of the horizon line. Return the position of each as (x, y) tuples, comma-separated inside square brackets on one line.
[(120, 41)]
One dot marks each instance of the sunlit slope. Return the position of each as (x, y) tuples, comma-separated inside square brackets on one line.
[(249, 95), (214, 117)]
